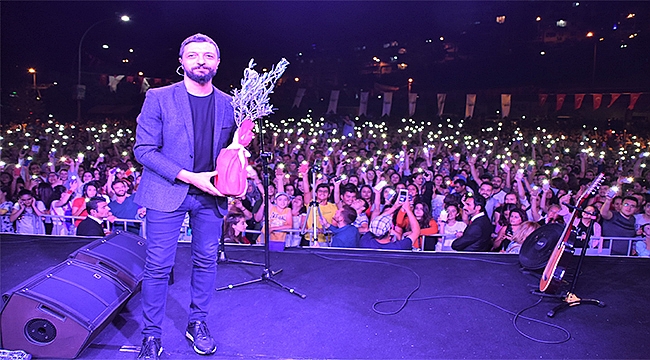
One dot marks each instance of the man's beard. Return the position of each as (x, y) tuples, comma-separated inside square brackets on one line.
[(201, 79)]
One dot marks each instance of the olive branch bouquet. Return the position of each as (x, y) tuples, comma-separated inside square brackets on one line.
[(252, 100)]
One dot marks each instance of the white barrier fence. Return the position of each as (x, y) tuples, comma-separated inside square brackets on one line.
[(185, 235), (72, 229)]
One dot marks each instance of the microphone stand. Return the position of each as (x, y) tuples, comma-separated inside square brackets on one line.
[(222, 257), (267, 273)]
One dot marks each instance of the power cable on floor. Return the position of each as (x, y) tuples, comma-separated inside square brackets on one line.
[(404, 301)]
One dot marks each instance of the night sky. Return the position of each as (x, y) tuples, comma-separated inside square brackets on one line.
[(45, 34)]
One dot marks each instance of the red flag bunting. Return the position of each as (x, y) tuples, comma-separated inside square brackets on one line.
[(633, 99), (598, 99), (578, 100), (615, 96), (542, 99), (560, 101)]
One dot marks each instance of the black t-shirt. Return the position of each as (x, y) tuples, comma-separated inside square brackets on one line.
[(580, 230), (203, 122)]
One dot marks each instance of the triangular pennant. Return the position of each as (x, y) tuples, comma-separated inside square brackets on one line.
[(560, 101), (578, 101), (633, 99), (598, 99), (615, 97)]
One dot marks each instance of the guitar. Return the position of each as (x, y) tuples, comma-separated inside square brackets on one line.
[(557, 264)]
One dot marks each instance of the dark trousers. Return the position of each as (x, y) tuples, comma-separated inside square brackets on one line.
[(163, 229)]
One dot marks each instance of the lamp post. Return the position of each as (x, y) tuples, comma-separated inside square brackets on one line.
[(36, 89), (33, 72), (593, 69), (80, 93), (410, 84)]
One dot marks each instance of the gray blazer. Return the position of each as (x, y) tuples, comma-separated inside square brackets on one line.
[(165, 144)]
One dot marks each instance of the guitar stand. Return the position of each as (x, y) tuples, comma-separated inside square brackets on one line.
[(569, 298)]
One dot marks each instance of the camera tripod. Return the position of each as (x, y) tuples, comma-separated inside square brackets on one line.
[(313, 210)]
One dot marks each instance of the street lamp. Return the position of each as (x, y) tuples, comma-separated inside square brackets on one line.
[(36, 89), (81, 89), (33, 72), (410, 84), (591, 34)]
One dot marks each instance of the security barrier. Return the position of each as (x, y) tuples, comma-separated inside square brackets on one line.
[(185, 235)]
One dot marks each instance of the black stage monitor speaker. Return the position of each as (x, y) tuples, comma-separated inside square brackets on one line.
[(121, 254), (538, 246), (57, 313)]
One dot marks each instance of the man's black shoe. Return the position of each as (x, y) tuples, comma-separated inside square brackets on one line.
[(151, 349), (197, 332)]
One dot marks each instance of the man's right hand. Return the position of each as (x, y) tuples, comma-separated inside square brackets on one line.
[(202, 180)]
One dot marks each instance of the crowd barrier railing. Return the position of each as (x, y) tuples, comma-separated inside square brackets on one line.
[(105, 224), (186, 236), (605, 250), (608, 242)]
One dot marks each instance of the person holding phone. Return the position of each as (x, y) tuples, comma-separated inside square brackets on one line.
[(450, 226), (381, 233)]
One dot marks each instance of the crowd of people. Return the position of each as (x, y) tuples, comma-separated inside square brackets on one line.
[(42, 193), (436, 186)]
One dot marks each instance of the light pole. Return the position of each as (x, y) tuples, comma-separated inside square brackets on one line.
[(36, 89), (33, 72), (80, 93), (410, 84), (593, 70)]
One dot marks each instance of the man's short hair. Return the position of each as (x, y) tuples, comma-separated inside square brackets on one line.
[(120, 181), (349, 188), (198, 37), (93, 203), (460, 182), (487, 183), (349, 214), (479, 200), (365, 204), (486, 177), (632, 198), (323, 186)]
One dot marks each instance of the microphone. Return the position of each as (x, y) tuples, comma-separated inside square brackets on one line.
[(573, 207)]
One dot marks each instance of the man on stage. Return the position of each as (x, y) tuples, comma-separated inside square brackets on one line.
[(181, 130)]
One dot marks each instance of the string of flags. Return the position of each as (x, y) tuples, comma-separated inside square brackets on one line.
[(597, 100), (386, 93), (470, 101)]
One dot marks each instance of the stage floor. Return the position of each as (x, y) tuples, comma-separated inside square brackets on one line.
[(462, 306)]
